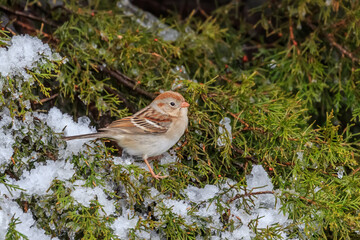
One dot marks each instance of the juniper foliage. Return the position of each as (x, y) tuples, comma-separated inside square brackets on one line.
[(293, 106)]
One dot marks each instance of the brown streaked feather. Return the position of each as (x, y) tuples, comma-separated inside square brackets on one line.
[(147, 120), (171, 94)]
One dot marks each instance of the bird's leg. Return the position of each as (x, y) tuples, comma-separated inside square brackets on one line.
[(156, 176)]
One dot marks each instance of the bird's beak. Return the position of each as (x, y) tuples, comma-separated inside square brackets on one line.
[(184, 105)]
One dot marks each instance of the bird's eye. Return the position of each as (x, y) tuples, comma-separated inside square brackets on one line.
[(172, 103)]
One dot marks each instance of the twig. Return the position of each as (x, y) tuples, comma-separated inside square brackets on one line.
[(332, 41), (355, 171), (249, 157), (126, 81), (247, 126), (28, 15), (237, 196), (292, 38), (339, 24), (342, 49), (28, 27), (124, 76), (286, 164), (308, 200), (7, 28), (131, 108), (199, 8), (259, 130), (47, 99)]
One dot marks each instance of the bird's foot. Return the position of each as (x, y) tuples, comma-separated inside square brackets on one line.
[(158, 176)]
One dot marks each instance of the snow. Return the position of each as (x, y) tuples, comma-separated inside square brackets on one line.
[(300, 155), (125, 222), (23, 52), (198, 202), (224, 131), (6, 139), (36, 179), (341, 172), (178, 207), (198, 195), (84, 195), (148, 20), (59, 122), (168, 158), (27, 225)]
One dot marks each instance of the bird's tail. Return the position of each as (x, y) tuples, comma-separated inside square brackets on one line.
[(84, 136)]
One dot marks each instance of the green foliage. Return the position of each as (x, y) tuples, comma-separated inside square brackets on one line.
[(292, 106), (313, 54), (19, 90), (12, 233)]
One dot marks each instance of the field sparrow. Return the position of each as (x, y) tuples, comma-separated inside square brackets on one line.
[(151, 131)]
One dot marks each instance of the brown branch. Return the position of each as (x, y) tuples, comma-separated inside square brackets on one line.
[(28, 27), (237, 196), (47, 99), (122, 98), (286, 164), (28, 15), (355, 171), (341, 23), (308, 200), (330, 37), (342, 49), (126, 81), (242, 152), (292, 38), (124, 76), (7, 28), (247, 126)]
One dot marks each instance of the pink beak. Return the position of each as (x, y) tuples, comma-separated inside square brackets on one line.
[(184, 105)]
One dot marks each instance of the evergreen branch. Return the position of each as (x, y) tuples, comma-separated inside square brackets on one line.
[(122, 98), (242, 152), (355, 171), (292, 38), (308, 200), (342, 49), (8, 29), (330, 37), (44, 100), (28, 15), (247, 126), (257, 129), (126, 81), (339, 24), (30, 28), (237, 196)]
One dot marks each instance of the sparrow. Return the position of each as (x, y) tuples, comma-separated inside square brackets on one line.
[(149, 132)]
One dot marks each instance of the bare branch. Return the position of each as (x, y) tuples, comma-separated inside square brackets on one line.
[(28, 15), (126, 81), (237, 196), (332, 41), (47, 99)]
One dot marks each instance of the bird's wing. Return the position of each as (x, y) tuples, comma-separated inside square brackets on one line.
[(146, 121)]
